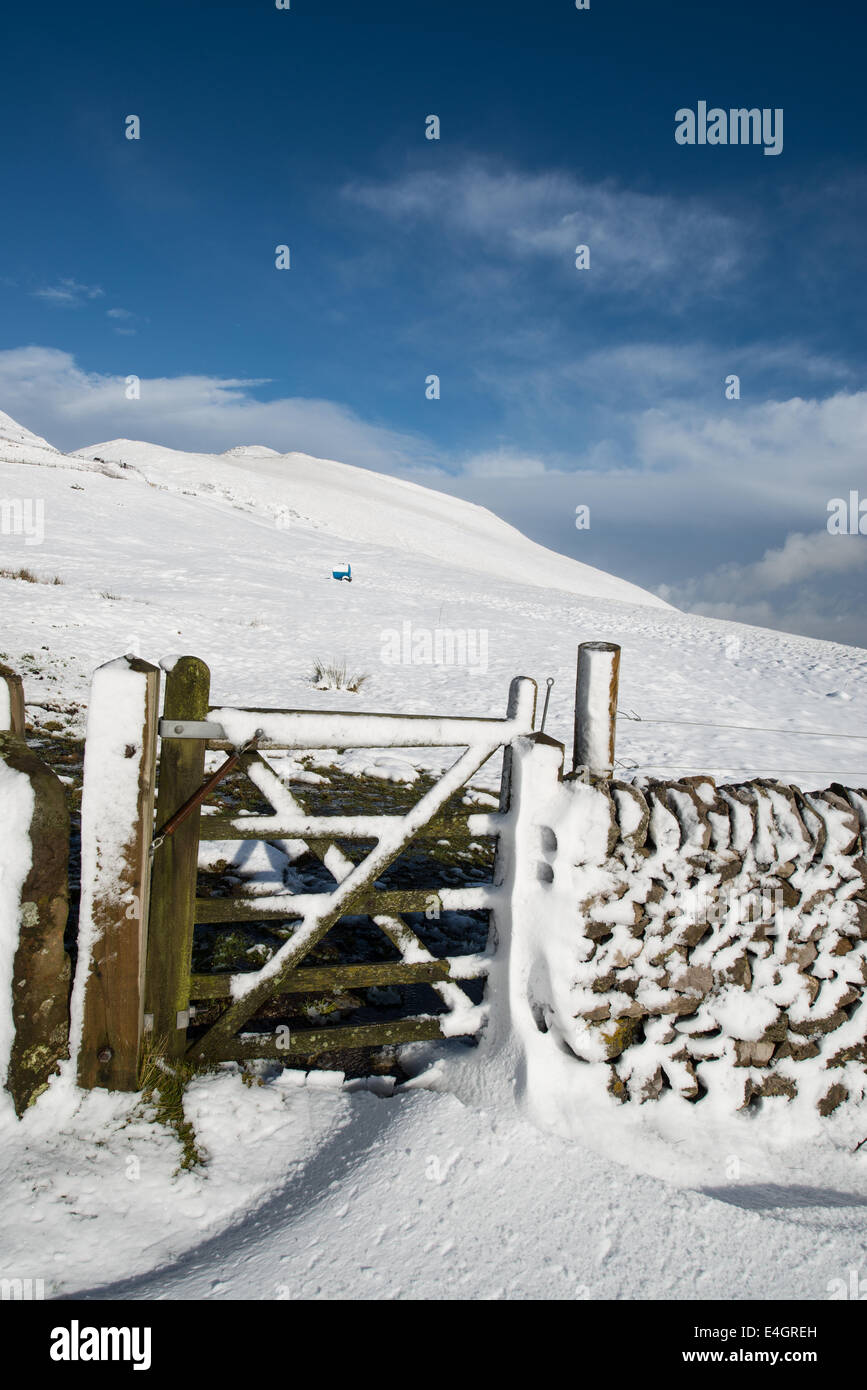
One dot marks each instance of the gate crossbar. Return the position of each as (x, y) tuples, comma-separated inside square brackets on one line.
[(295, 729)]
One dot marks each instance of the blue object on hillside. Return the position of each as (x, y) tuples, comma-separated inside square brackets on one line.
[(342, 572)]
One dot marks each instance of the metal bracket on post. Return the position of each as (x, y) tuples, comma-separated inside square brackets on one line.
[(190, 728)]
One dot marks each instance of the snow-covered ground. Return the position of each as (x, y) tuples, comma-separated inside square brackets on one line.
[(314, 1188), (313, 1191)]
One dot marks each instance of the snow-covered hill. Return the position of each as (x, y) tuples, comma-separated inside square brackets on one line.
[(230, 557), (21, 444), (356, 504)]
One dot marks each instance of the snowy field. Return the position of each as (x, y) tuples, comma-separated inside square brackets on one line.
[(313, 1187)]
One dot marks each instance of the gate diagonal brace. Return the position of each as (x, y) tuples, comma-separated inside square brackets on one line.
[(406, 941), (402, 936), (331, 856), (267, 981)]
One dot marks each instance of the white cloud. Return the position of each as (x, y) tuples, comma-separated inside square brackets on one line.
[(69, 293), (776, 458), (48, 392), (503, 463), (638, 371), (772, 465), (636, 239), (733, 467), (811, 584), (800, 559), (122, 322)]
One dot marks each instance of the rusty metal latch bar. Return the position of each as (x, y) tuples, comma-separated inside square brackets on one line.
[(549, 682), (207, 786)]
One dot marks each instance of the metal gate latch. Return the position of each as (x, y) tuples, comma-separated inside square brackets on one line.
[(198, 797)]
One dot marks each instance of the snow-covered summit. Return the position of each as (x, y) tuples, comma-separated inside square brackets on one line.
[(250, 451)]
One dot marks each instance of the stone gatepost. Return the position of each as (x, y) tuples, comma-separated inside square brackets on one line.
[(34, 898)]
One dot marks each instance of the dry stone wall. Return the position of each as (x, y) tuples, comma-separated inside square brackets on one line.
[(722, 941)]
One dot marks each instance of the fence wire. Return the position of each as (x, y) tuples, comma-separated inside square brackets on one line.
[(751, 728), (692, 767), (634, 717)]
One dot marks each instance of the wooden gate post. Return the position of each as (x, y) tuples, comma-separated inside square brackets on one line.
[(596, 708), (116, 832), (173, 879)]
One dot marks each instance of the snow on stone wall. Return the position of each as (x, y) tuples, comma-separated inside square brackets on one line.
[(718, 941)]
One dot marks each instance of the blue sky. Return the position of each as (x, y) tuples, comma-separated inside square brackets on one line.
[(411, 256)]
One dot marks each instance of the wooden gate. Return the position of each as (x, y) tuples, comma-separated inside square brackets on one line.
[(189, 727)]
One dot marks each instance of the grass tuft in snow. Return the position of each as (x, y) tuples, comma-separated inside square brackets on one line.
[(29, 577), (333, 675), (162, 1085)]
